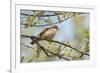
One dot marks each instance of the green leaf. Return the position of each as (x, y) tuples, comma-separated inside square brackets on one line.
[(38, 51), (87, 34)]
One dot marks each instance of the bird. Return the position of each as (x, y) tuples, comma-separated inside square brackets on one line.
[(47, 33)]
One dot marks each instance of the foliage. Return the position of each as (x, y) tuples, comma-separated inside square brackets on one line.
[(48, 50)]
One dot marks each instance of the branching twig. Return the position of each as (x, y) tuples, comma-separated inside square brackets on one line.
[(50, 16), (38, 38), (66, 46), (44, 51), (48, 24), (50, 51), (85, 49)]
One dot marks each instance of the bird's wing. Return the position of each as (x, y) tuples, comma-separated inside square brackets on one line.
[(41, 33)]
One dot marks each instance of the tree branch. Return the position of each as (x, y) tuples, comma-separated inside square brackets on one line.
[(50, 51), (26, 46), (38, 38), (48, 15), (45, 51), (22, 59), (48, 24), (39, 16)]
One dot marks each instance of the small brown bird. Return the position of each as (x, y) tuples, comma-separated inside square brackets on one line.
[(48, 33)]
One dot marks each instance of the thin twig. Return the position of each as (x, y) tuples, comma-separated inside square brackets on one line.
[(84, 49), (27, 46), (22, 59)]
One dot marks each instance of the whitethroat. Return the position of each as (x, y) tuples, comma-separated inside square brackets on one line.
[(47, 33)]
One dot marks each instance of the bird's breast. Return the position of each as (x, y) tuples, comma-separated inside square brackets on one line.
[(49, 34)]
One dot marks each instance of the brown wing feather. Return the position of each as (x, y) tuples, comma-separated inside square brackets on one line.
[(43, 32)]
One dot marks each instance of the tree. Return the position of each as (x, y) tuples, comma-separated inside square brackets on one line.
[(51, 49)]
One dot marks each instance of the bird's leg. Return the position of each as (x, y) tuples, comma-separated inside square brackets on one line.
[(34, 39)]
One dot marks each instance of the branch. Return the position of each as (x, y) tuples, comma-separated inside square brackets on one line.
[(22, 59), (48, 24), (39, 16), (27, 46), (51, 52), (45, 51), (48, 15), (38, 38), (85, 49), (66, 46)]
